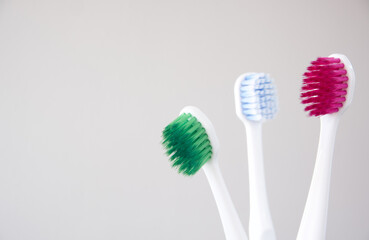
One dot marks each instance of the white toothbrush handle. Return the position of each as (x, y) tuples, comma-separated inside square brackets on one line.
[(314, 220), (260, 224), (232, 225)]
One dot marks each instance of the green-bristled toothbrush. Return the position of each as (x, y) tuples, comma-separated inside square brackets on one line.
[(191, 144)]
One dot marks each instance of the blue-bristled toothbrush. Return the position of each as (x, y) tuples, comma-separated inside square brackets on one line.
[(327, 90), (256, 101), (191, 144)]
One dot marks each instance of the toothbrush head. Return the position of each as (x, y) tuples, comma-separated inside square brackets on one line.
[(328, 85), (255, 97), (190, 141)]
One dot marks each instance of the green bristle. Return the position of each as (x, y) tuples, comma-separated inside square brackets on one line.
[(187, 144)]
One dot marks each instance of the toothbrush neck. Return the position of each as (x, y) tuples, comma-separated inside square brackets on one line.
[(260, 224), (314, 219), (255, 162), (232, 225)]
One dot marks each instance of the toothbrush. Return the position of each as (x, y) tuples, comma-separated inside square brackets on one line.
[(191, 143), (327, 90), (256, 101)]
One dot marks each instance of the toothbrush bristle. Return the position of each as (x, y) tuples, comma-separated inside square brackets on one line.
[(324, 86), (258, 97), (187, 144)]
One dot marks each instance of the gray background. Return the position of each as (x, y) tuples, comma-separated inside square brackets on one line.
[(87, 86)]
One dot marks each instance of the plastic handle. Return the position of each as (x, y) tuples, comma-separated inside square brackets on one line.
[(260, 224), (232, 225), (314, 220)]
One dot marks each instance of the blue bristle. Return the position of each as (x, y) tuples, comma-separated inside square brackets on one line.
[(258, 97)]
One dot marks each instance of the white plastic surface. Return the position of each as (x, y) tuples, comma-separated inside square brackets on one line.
[(314, 220), (260, 223), (232, 225), (351, 81)]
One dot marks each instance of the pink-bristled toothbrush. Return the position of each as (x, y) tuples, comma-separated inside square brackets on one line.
[(327, 90)]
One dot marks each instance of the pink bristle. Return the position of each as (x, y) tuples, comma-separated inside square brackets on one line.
[(324, 86)]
